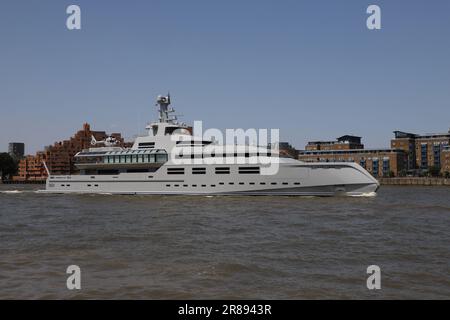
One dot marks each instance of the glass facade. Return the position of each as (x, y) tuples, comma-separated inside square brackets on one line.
[(154, 156), (386, 167), (375, 164), (423, 155)]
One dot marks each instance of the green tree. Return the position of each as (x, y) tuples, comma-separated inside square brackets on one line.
[(8, 165), (434, 171)]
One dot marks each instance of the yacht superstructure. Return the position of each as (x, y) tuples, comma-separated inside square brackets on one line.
[(170, 160)]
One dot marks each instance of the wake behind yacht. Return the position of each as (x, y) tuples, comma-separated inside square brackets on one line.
[(171, 160)]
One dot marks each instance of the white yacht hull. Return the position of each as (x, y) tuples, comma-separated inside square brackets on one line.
[(294, 178)]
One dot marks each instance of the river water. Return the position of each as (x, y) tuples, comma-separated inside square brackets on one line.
[(222, 247)]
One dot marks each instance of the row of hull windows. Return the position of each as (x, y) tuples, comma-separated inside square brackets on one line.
[(213, 185), (233, 183), (218, 170), (116, 171), (89, 185)]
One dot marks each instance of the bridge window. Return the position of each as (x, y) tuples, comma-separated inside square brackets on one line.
[(146, 145), (249, 170), (198, 170), (222, 170), (175, 170)]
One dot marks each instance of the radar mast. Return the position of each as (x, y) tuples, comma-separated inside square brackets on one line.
[(164, 109)]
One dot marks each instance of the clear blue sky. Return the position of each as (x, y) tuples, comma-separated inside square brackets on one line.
[(310, 68)]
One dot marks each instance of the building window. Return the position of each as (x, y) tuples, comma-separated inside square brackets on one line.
[(375, 164), (362, 163), (423, 155), (386, 167), (437, 155)]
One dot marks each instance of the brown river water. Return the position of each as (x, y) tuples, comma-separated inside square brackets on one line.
[(222, 247)]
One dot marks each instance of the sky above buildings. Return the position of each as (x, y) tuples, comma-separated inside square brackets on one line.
[(310, 68)]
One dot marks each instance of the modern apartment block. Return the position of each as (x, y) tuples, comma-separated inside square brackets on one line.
[(424, 151), (31, 168), (59, 156), (379, 162), (16, 149), (406, 142)]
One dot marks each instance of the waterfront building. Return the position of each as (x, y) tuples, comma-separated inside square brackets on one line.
[(59, 156), (424, 151), (379, 162), (348, 148), (346, 142), (31, 168), (16, 149), (445, 161), (406, 142), (287, 150)]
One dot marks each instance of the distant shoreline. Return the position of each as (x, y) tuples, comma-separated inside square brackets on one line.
[(415, 181)]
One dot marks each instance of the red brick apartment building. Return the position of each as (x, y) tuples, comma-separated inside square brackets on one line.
[(424, 151), (445, 161), (379, 162), (59, 156)]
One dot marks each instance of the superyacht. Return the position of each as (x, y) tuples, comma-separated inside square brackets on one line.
[(171, 160)]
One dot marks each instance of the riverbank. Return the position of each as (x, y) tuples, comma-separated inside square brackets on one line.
[(22, 182), (415, 181)]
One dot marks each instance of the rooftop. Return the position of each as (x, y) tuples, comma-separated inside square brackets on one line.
[(307, 152), (402, 134)]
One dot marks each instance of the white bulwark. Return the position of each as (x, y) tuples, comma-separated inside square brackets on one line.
[(170, 160)]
